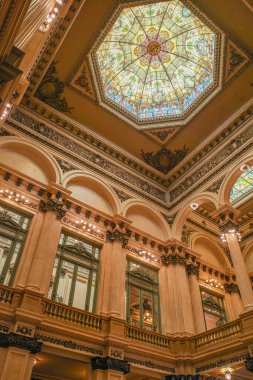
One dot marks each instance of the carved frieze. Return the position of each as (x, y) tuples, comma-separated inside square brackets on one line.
[(108, 363), (121, 195), (236, 59), (51, 205), (20, 341), (215, 187)]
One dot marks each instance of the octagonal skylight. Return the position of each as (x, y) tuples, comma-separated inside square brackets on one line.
[(156, 61)]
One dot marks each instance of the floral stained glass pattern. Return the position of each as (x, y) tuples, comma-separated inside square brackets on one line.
[(156, 60), (243, 185)]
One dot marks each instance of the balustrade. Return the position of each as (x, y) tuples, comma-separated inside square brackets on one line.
[(148, 337)]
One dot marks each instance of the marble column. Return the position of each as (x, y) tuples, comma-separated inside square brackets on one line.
[(177, 286), (17, 358), (227, 216), (109, 368), (197, 308)]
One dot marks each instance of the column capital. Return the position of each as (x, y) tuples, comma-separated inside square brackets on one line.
[(175, 255), (249, 364), (117, 231), (192, 269), (227, 216), (52, 205), (184, 377), (21, 342), (231, 288), (109, 363)]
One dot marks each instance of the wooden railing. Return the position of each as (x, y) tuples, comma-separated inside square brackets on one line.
[(218, 334), (69, 314), (148, 337)]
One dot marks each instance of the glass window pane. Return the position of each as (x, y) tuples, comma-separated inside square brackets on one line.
[(134, 306), (213, 308), (147, 310), (81, 286), (92, 292), (53, 278)]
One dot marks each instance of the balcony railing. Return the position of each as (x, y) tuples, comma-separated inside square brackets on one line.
[(69, 314), (8, 296), (218, 334), (148, 337)]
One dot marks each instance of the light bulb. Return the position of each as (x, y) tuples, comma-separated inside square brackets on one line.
[(228, 375)]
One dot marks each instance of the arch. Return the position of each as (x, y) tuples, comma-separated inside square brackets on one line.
[(36, 163), (186, 210), (146, 218), (230, 179), (209, 250), (92, 191), (248, 256)]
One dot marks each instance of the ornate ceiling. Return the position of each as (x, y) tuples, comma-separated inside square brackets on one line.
[(156, 62), (71, 83)]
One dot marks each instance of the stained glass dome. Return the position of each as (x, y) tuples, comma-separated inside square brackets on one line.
[(156, 60), (243, 186)]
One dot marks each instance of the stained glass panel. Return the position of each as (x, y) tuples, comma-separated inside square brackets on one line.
[(242, 186), (156, 60)]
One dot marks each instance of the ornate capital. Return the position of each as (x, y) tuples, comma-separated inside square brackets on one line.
[(184, 377), (117, 233), (20, 341), (231, 287), (227, 216), (175, 255), (249, 364), (110, 363), (52, 205), (192, 269)]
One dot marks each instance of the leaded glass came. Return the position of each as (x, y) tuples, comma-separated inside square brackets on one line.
[(75, 272), (142, 296), (243, 186), (13, 230), (156, 60)]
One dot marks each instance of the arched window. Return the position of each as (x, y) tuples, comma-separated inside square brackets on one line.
[(243, 185)]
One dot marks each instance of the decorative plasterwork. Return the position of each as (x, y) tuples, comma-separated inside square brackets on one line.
[(126, 61), (164, 159), (51, 90), (162, 135), (236, 59), (83, 82)]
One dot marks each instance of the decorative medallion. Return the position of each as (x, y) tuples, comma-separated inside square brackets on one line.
[(156, 62), (236, 59), (82, 81), (51, 89), (164, 159)]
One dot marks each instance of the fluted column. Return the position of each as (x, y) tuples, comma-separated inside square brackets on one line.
[(197, 308), (179, 291), (229, 229), (236, 306)]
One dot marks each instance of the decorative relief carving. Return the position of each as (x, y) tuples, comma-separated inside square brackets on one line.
[(117, 234), (170, 219), (108, 363), (82, 81), (20, 341), (64, 165), (51, 205), (215, 187), (164, 159), (205, 169), (236, 59), (174, 256), (51, 89), (121, 195), (249, 364), (68, 344), (85, 154), (192, 269), (185, 377), (162, 135), (186, 234), (231, 287), (149, 364), (79, 226), (223, 362), (3, 132)]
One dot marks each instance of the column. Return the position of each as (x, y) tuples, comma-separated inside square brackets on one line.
[(46, 247), (112, 287), (197, 308), (232, 292), (227, 216), (109, 368), (180, 308), (17, 356)]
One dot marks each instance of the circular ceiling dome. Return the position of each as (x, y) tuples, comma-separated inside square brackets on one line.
[(156, 61)]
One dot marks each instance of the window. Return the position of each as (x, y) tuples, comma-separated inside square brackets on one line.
[(213, 308), (243, 186), (75, 272), (142, 290), (13, 230)]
